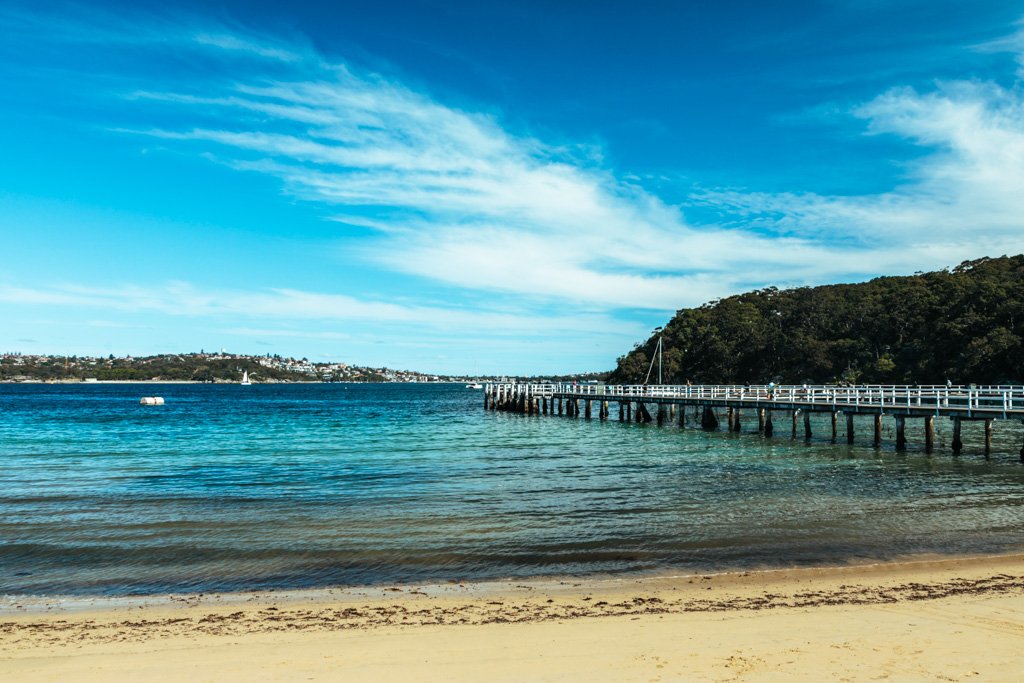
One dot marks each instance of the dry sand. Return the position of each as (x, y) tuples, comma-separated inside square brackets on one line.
[(936, 620)]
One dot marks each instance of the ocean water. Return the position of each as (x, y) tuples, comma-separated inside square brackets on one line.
[(287, 486)]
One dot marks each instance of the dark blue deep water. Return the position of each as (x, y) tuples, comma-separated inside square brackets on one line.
[(230, 487)]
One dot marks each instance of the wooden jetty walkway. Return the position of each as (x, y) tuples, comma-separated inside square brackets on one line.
[(900, 402)]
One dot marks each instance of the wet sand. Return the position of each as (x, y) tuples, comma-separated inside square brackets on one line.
[(941, 619)]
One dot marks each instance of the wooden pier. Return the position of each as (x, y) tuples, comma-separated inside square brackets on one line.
[(982, 404)]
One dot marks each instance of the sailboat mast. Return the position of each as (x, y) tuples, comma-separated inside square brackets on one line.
[(659, 358)]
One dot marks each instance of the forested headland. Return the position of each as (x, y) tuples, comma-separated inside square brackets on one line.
[(965, 324)]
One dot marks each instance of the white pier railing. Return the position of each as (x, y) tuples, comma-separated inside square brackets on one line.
[(967, 400)]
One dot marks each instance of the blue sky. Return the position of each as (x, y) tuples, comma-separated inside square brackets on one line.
[(521, 187)]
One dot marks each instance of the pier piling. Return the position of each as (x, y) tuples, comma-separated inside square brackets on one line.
[(957, 444), (807, 424), (849, 428), (988, 438), (901, 433), (878, 430), (708, 420), (929, 434)]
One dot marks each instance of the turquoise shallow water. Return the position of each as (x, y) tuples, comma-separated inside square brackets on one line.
[(284, 486)]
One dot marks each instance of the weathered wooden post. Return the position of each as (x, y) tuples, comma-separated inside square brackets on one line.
[(629, 411), (622, 412), (877, 439), (560, 413), (796, 415), (1022, 448), (643, 416), (929, 434), (486, 391), (901, 433), (672, 411), (849, 428), (769, 428), (988, 438), (835, 426), (661, 414), (682, 417), (807, 424), (736, 415), (760, 421), (536, 406), (544, 405), (606, 410), (728, 419), (586, 408), (709, 421), (957, 444)]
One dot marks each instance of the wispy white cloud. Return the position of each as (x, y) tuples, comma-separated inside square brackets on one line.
[(185, 299), (964, 197), (468, 202), (458, 196), (461, 199), (233, 42)]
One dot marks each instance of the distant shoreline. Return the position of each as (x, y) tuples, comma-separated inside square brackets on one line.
[(79, 382)]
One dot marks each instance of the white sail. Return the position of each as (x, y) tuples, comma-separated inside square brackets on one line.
[(245, 377)]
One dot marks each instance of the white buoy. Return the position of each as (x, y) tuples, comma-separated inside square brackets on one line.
[(152, 401)]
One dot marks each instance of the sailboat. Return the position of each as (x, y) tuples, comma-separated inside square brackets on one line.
[(245, 378)]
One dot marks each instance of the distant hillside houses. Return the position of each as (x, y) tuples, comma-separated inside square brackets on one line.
[(196, 367)]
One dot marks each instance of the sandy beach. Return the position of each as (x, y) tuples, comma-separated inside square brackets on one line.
[(930, 619)]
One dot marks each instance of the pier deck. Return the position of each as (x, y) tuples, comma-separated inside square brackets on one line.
[(959, 403)]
